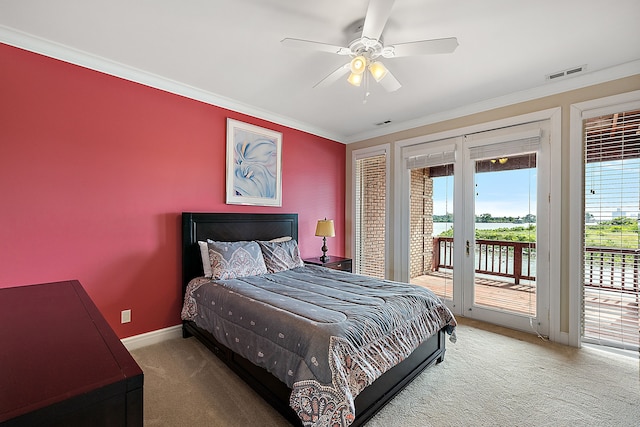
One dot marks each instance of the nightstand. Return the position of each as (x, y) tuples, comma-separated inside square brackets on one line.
[(334, 262)]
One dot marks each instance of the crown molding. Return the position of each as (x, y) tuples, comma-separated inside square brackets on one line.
[(29, 42)]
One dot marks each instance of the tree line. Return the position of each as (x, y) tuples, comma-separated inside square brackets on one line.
[(488, 218)]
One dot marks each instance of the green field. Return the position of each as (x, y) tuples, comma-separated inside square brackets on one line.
[(618, 233), (515, 234)]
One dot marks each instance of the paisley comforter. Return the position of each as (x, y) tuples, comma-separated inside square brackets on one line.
[(327, 334)]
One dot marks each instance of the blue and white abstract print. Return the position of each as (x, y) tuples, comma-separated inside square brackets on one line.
[(255, 165)]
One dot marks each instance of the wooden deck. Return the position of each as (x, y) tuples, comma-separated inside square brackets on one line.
[(611, 316), (604, 309), (520, 299)]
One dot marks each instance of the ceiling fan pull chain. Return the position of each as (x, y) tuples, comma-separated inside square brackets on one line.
[(366, 88)]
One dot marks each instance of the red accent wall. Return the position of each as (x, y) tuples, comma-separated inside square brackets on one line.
[(95, 171)]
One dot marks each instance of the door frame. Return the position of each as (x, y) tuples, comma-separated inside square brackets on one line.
[(543, 188), (400, 244), (444, 145)]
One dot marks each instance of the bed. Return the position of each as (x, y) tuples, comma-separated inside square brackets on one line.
[(372, 391)]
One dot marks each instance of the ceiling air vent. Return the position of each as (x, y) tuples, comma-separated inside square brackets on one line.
[(566, 73)]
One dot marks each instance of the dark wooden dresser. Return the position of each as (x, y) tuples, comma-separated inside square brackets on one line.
[(61, 364)]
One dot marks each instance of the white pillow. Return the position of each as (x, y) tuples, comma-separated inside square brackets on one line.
[(206, 263), (281, 239)]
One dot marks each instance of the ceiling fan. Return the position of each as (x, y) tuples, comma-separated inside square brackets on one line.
[(367, 48)]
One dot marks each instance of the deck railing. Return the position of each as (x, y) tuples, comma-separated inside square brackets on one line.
[(497, 258), (612, 268), (605, 267)]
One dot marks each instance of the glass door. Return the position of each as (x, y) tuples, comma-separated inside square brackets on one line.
[(431, 222), (507, 199), (505, 233), (431, 248)]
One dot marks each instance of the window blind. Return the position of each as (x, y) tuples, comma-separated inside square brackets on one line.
[(431, 159), (370, 215), (611, 244), (518, 143)]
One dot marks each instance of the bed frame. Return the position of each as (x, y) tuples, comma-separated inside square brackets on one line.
[(238, 226)]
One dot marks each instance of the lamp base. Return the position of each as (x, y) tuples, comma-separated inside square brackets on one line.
[(324, 257)]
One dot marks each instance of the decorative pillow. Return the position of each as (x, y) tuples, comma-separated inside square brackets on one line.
[(230, 260), (281, 256), (206, 263)]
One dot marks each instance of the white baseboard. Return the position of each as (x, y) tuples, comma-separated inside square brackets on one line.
[(153, 337)]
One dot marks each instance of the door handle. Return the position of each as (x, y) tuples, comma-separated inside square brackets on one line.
[(467, 248)]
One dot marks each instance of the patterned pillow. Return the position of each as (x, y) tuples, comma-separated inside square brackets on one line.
[(230, 260), (281, 256)]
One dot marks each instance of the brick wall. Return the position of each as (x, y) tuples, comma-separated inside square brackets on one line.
[(371, 190), (420, 223)]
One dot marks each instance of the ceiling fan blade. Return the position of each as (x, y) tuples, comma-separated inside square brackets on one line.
[(423, 47), (323, 47), (334, 76), (377, 15), (390, 83)]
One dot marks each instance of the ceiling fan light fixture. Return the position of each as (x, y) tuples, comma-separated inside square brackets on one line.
[(366, 46), (355, 79), (378, 70), (358, 64)]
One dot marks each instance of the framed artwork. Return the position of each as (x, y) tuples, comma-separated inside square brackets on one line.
[(254, 165)]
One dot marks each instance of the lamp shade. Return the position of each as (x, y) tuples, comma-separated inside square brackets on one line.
[(325, 228), (355, 79), (358, 64), (378, 70)]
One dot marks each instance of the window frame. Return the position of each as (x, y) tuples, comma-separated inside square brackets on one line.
[(579, 112), (360, 154)]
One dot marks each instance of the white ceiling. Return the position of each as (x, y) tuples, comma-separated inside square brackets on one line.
[(228, 52)]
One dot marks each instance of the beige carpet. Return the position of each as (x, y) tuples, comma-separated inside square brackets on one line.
[(491, 377)]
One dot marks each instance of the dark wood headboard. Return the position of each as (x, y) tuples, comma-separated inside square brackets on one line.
[(228, 227)]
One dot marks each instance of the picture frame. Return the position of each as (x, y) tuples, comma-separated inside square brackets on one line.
[(254, 165)]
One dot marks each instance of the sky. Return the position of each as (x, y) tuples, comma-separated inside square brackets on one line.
[(611, 189), (505, 193)]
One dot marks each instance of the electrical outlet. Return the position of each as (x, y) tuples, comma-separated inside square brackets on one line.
[(125, 316)]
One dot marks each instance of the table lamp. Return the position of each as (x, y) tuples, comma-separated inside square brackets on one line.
[(325, 229)]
